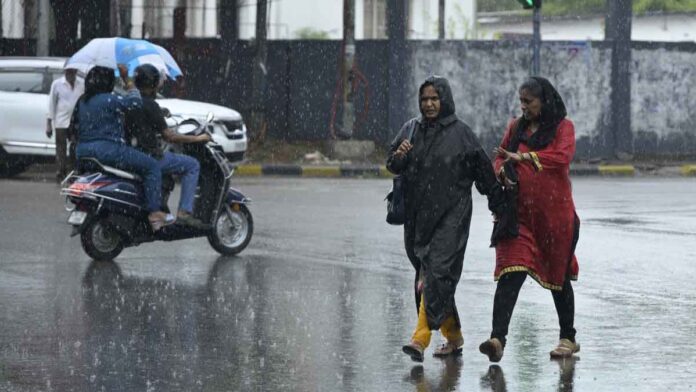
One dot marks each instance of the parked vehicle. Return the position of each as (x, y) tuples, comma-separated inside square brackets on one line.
[(107, 205), (24, 86)]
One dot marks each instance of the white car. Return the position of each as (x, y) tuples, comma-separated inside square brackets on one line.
[(24, 86)]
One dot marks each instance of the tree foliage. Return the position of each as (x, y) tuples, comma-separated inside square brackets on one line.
[(311, 33), (584, 7)]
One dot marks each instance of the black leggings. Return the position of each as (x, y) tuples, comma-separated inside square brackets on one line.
[(506, 294)]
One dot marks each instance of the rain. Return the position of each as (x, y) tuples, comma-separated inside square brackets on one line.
[(236, 195)]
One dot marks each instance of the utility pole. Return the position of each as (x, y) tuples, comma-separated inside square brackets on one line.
[(536, 41), (229, 21), (258, 119), (115, 18), (619, 140), (441, 20), (348, 123), (397, 20), (535, 5), (43, 28)]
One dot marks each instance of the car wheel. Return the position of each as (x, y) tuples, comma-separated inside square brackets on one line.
[(11, 166)]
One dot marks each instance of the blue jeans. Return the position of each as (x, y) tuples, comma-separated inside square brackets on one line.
[(188, 169), (127, 158)]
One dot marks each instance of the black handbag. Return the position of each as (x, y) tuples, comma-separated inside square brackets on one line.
[(396, 206)]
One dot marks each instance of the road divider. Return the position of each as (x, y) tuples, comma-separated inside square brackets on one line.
[(688, 170), (617, 170)]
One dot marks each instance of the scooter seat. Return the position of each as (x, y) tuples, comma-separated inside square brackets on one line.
[(109, 169)]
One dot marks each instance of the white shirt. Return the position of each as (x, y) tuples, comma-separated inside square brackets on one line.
[(62, 99)]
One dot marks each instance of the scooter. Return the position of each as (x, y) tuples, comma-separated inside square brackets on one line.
[(107, 205)]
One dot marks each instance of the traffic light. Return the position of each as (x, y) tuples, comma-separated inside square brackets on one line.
[(529, 4)]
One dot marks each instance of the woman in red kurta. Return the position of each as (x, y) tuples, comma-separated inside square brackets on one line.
[(539, 147)]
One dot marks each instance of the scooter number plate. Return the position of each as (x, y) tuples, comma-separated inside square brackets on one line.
[(77, 217)]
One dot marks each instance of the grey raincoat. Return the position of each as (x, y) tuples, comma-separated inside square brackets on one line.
[(446, 160)]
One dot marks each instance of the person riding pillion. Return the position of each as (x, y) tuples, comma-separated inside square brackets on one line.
[(99, 113)]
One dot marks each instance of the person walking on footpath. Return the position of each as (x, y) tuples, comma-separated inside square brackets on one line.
[(64, 93), (533, 161), (440, 164)]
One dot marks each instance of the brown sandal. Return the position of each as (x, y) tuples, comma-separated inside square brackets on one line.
[(493, 348), (158, 220), (414, 350), (449, 348), (565, 349)]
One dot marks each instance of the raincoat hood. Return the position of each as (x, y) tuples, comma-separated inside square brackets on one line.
[(444, 91)]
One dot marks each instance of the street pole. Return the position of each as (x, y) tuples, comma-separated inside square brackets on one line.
[(258, 120), (397, 22), (348, 123), (536, 42), (229, 21), (115, 18), (43, 29), (619, 138), (441, 20)]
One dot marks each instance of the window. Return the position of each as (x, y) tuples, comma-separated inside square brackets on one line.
[(24, 81)]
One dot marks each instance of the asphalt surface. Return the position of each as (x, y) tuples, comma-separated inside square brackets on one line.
[(321, 300)]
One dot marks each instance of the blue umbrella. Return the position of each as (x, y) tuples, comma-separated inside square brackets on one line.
[(109, 52)]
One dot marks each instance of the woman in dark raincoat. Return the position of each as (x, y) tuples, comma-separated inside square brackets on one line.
[(537, 149), (440, 164)]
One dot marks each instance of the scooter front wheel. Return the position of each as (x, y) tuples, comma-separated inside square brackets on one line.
[(232, 230), (101, 242)]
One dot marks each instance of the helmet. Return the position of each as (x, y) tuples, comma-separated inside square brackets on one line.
[(146, 76)]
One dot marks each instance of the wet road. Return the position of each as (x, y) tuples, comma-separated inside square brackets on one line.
[(321, 300)]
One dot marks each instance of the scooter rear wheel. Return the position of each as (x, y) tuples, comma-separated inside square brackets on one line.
[(100, 242), (231, 234)]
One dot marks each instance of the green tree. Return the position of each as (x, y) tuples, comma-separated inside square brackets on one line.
[(584, 7), (311, 33)]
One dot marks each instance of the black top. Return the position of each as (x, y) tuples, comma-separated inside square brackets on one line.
[(146, 125)]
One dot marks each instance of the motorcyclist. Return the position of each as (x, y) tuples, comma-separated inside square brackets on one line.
[(146, 125)]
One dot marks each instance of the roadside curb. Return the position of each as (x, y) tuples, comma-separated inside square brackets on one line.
[(688, 170), (617, 170), (378, 171), (313, 171)]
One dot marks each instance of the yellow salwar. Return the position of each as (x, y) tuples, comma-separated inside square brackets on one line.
[(422, 334)]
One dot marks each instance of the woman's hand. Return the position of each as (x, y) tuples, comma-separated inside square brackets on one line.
[(403, 149), (514, 156), (123, 73)]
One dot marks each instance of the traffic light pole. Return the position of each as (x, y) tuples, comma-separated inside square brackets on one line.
[(536, 41)]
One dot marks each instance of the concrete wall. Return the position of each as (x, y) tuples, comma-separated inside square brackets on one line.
[(485, 77)]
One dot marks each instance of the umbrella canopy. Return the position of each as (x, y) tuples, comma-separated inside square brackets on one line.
[(109, 52)]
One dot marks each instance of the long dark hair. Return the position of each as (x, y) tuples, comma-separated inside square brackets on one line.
[(98, 80), (553, 111)]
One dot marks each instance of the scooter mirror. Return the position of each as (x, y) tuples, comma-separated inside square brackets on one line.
[(210, 117), (187, 128)]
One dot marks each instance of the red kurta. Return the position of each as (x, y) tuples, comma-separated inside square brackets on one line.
[(546, 213)]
